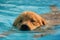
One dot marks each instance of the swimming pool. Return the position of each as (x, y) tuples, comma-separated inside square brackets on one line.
[(9, 10)]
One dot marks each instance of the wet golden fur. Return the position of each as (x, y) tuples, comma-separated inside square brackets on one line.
[(31, 19)]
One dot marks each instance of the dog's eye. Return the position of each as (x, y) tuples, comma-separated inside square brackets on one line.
[(20, 21), (32, 20)]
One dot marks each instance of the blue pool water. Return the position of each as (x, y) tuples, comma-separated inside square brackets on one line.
[(10, 9)]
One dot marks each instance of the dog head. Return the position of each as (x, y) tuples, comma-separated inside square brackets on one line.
[(29, 21)]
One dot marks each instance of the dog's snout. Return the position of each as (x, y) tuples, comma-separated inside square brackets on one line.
[(24, 28)]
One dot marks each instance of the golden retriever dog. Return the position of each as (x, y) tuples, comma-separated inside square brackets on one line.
[(29, 21)]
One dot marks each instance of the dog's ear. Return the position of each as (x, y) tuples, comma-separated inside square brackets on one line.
[(42, 21), (17, 20)]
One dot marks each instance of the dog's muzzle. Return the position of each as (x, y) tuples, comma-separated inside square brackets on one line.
[(24, 27)]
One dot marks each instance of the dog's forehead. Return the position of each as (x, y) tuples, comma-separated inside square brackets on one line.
[(29, 16)]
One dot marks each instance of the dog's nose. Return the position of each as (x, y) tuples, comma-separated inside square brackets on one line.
[(24, 28)]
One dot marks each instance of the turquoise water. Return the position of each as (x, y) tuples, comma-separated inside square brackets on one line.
[(10, 9)]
